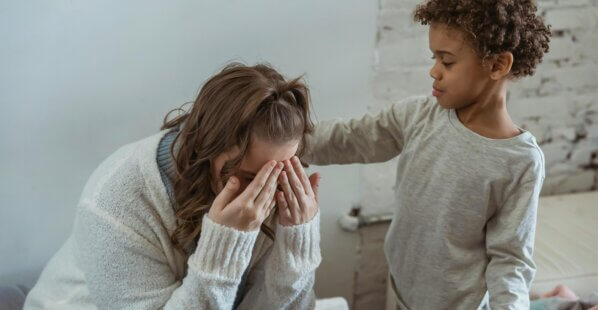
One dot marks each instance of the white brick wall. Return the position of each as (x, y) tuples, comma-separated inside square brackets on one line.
[(559, 104)]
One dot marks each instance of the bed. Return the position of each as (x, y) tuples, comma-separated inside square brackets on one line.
[(566, 250)]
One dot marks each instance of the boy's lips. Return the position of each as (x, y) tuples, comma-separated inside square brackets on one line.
[(437, 92)]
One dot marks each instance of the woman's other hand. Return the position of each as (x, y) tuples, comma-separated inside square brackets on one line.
[(298, 200)]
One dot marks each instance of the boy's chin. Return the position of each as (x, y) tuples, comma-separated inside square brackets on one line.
[(447, 104)]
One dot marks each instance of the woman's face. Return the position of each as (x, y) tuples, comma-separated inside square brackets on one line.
[(258, 153)]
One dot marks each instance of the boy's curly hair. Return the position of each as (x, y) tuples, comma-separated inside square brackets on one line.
[(494, 27)]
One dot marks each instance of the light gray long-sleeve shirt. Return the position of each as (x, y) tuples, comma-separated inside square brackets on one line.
[(466, 204)]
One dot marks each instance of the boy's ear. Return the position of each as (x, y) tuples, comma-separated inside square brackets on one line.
[(501, 66)]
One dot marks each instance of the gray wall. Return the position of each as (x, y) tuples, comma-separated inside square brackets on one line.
[(78, 79)]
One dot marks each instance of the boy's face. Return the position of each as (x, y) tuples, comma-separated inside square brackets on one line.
[(460, 79)]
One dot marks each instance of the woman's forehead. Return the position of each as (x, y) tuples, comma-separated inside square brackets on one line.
[(260, 152)]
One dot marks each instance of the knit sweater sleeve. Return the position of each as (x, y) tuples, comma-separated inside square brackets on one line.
[(126, 268), (288, 275)]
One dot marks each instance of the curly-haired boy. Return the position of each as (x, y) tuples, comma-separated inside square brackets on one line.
[(468, 178)]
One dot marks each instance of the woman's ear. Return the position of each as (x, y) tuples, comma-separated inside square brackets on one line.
[(501, 66)]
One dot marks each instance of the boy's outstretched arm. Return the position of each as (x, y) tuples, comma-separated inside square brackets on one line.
[(509, 245), (367, 140)]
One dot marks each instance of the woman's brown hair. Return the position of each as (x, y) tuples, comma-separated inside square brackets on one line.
[(238, 103)]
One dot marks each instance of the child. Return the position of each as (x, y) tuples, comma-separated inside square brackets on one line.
[(468, 178)]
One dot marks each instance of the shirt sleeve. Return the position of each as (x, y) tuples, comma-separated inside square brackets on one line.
[(509, 246), (370, 139)]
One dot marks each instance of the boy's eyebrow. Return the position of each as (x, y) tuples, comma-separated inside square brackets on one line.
[(443, 52)]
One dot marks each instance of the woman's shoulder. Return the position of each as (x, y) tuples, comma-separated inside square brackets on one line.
[(128, 182)]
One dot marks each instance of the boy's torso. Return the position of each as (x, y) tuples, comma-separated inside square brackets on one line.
[(449, 183)]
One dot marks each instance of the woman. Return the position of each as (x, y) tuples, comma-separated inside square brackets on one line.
[(185, 219)]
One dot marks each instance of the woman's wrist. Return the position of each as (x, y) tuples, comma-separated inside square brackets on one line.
[(222, 251), (301, 241)]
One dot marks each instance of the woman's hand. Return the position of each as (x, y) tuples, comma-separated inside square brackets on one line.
[(248, 210), (298, 201)]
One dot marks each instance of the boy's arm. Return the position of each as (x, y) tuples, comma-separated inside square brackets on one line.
[(509, 246), (370, 139)]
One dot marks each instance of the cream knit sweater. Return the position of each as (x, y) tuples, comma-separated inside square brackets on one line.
[(120, 256)]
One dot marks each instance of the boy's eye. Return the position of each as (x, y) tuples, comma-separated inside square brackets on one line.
[(446, 64)]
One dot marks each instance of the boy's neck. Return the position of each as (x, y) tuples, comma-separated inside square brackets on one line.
[(488, 115)]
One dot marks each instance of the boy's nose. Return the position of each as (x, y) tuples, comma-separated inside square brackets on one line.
[(434, 73)]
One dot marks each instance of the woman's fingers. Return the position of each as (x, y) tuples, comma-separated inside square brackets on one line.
[(289, 195), (300, 172), (283, 207), (271, 206), (298, 199), (255, 187), (269, 189), (314, 181), (295, 183), (227, 194)]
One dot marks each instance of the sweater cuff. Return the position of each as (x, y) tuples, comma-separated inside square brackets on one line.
[(300, 243), (222, 252)]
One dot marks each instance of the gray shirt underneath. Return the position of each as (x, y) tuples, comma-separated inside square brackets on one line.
[(466, 205)]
